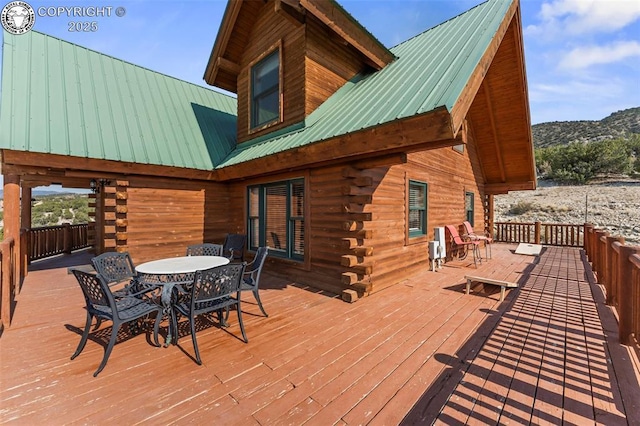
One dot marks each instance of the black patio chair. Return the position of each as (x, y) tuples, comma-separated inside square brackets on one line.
[(213, 290), (206, 249), (251, 279), (116, 268), (234, 246), (103, 305)]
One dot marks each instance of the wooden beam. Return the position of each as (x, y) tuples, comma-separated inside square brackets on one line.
[(462, 105), (222, 39), (503, 188), (227, 65), (65, 162), (517, 25), (335, 18), (291, 10), (494, 131), (426, 131)]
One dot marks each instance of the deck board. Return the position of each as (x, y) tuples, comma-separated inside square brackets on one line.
[(416, 353)]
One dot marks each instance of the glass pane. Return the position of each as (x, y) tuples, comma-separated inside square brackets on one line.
[(254, 207), (415, 220), (254, 233), (297, 199), (468, 201), (266, 108), (265, 74), (416, 196), (276, 220), (298, 237)]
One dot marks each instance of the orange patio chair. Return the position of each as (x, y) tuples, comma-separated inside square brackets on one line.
[(484, 238), (461, 246)]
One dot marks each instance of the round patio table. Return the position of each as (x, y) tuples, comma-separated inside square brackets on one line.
[(173, 271)]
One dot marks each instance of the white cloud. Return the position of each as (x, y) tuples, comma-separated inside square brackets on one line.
[(586, 56), (586, 16)]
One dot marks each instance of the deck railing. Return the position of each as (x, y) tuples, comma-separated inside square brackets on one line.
[(8, 281), (616, 267), (52, 240), (554, 234)]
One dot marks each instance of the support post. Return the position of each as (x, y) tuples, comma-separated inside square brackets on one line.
[(625, 294), (538, 228), (12, 220), (25, 224), (612, 270), (67, 238)]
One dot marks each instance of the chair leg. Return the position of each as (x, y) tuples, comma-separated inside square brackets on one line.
[(98, 322), (107, 352), (156, 327), (257, 296), (244, 335), (85, 335), (192, 323)]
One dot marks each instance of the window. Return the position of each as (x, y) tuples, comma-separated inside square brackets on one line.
[(468, 207), (265, 90), (459, 148), (417, 208), (276, 217)]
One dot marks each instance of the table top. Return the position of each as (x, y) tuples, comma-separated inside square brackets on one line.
[(181, 265)]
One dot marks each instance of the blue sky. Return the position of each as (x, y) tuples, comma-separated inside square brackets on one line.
[(582, 56)]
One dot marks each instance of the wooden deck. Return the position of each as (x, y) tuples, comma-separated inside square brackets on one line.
[(419, 352)]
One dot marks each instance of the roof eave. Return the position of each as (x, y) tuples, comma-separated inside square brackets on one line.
[(222, 39)]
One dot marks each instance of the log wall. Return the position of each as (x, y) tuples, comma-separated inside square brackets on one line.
[(162, 217), (356, 229)]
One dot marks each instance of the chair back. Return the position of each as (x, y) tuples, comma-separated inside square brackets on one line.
[(258, 262), (454, 234), (216, 283), (96, 291), (205, 249), (114, 267), (468, 228), (235, 243)]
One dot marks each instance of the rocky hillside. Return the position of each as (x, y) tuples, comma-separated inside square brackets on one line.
[(621, 124), (610, 205)]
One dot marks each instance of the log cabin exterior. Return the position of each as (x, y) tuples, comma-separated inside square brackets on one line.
[(338, 153)]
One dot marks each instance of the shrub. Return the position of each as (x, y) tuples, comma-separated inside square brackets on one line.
[(521, 207)]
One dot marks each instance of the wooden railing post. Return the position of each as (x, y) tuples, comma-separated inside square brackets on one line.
[(598, 259), (625, 294), (611, 274), (538, 228), (67, 238), (588, 230)]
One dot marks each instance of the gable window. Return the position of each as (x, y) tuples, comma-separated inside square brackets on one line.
[(417, 208), (468, 207), (276, 218), (265, 90)]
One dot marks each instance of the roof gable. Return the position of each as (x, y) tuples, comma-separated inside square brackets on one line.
[(237, 23), (61, 98), (430, 74)]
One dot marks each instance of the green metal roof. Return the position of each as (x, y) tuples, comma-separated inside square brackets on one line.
[(61, 98), (431, 72)]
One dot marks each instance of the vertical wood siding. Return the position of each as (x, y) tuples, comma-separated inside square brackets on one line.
[(269, 29)]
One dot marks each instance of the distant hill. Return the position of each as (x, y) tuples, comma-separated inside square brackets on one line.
[(43, 193), (621, 124)]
